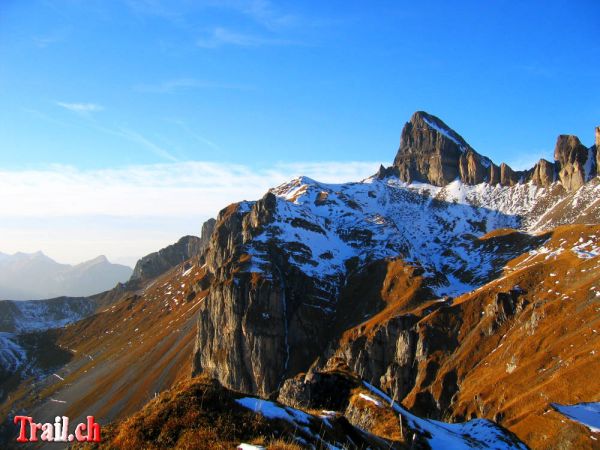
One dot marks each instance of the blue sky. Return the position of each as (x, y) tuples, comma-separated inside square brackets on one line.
[(137, 90)]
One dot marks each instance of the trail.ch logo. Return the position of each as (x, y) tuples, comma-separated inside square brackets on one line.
[(57, 431)]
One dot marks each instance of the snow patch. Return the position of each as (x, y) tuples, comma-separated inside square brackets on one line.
[(445, 132), (12, 355), (587, 414), (474, 434), (369, 399), (272, 411)]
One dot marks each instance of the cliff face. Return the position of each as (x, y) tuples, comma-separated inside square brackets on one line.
[(253, 327), (431, 152), (574, 162), (157, 263), (206, 232), (543, 173)]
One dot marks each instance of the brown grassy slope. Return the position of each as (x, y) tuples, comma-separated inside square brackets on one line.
[(201, 414), (122, 355), (511, 367), (512, 354), (382, 290)]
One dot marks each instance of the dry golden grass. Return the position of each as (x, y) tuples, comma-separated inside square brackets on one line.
[(509, 365), (201, 414), (197, 414)]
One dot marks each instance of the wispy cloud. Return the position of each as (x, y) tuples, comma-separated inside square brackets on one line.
[(169, 189), (201, 139), (177, 84), (84, 109), (81, 108), (55, 37), (145, 142), (222, 36), (74, 214), (262, 12), (43, 116)]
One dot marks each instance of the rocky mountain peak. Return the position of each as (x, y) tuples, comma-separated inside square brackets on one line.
[(427, 121), (432, 152), (429, 151), (574, 162), (99, 259), (543, 173)]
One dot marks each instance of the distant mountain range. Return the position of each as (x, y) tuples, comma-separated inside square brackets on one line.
[(32, 276)]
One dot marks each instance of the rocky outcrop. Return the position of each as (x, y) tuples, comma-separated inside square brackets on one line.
[(329, 390), (386, 357), (157, 263), (508, 177), (495, 174), (254, 328), (430, 151), (571, 157), (472, 168), (206, 232), (542, 173)]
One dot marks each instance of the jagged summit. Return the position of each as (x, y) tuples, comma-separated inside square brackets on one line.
[(574, 162), (429, 121), (432, 152)]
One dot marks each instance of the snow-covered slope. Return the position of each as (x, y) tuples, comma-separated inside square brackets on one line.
[(39, 315), (12, 355), (324, 226), (474, 434), (21, 317)]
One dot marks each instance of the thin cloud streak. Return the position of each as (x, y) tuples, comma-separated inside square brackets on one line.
[(262, 12), (43, 116), (203, 140), (135, 137), (221, 36), (81, 108), (178, 84), (145, 142)]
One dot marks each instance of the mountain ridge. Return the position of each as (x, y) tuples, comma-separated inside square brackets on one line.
[(36, 276), (430, 151)]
